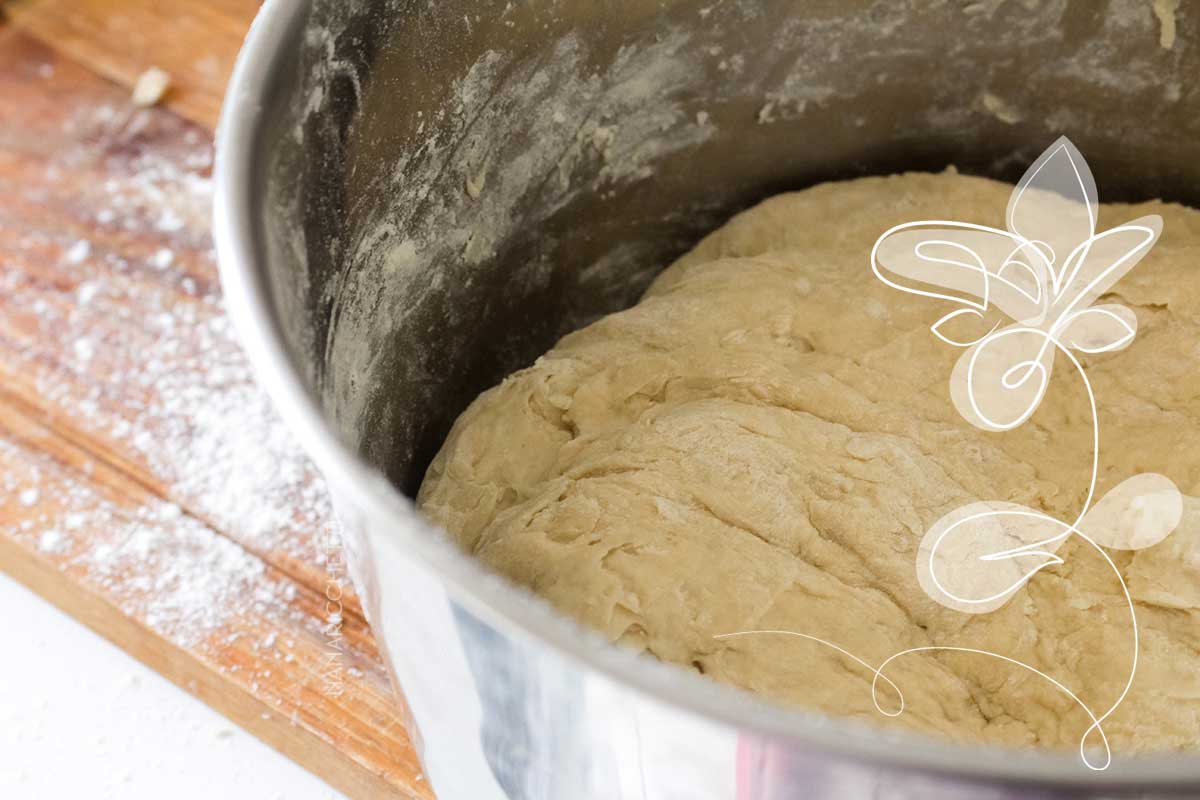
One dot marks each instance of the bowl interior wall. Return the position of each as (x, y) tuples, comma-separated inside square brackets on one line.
[(447, 188)]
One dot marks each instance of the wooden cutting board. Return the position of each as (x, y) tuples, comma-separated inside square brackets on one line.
[(146, 485)]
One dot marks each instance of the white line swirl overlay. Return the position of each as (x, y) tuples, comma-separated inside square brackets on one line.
[(976, 557)]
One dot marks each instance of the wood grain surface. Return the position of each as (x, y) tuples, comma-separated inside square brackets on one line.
[(146, 486), (194, 42)]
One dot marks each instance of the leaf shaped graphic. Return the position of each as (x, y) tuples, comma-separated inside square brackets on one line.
[(976, 557), (1097, 264), (1054, 204), (937, 327), (1137, 513), (1099, 329), (970, 265), (1024, 278)]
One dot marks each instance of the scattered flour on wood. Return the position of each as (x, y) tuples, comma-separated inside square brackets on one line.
[(130, 344)]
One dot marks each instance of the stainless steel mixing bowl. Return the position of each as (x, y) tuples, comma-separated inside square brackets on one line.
[(415, 198)]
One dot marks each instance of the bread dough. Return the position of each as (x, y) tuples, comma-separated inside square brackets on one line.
[(764, 439)]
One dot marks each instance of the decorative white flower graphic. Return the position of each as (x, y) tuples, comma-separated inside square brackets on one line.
[(1045, 271)]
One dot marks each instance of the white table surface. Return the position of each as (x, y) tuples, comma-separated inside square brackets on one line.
[(81, 719)]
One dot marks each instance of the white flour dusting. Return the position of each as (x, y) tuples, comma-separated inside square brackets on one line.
[(175, 574), (129, 345), (556, 127), (53, 541), (78, 252)]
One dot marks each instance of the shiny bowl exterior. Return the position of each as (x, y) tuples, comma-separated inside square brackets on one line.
[(414, 199)]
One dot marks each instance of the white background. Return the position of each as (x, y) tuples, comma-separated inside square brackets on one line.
[(81, 719)]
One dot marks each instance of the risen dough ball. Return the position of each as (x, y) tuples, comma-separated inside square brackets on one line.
[(763, 440)]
